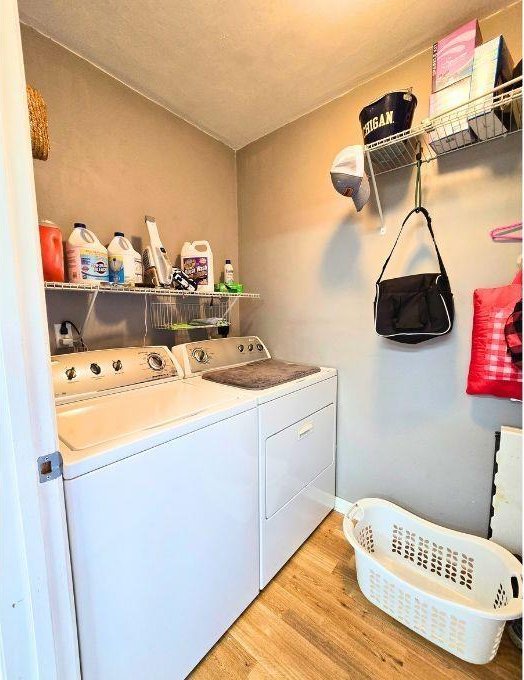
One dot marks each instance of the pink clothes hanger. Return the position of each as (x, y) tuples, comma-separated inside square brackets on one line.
[(507, 234)]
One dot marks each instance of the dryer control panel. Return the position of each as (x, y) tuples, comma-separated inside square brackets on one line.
[(84, 374), (205, 355)]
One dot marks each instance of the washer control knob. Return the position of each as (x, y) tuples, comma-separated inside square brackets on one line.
[(156, 362), (117, 365), (240, 348), (250, 347), (95, 368), (200, 355), (70, 373), (260, 347)]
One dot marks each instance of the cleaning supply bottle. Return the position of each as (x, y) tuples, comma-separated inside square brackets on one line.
[(52, 251), (125, 264), (197, 263), (229, 276), (86, 256)]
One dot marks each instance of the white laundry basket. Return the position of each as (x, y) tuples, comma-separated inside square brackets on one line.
[(454, 589)]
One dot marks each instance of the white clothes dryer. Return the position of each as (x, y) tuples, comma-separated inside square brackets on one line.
[(296, 436)]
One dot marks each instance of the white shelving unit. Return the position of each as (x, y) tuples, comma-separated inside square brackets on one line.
[(170, 309), (496, 114), (116, 288)]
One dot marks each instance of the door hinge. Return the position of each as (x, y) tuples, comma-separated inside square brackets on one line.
[(50, 466)]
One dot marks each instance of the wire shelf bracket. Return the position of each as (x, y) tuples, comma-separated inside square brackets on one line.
[(89, 310), (375, 191)]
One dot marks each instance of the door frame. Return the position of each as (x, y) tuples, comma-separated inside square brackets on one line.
[(37, 622)]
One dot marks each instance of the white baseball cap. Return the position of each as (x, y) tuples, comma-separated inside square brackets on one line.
[(348, 175)]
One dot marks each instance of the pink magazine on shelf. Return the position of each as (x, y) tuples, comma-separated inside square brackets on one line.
[(453, 55)]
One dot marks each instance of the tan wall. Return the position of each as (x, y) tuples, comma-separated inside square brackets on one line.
[(115, 156), (406, 429)]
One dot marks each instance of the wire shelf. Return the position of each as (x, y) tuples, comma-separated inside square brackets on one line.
[(178, 314), (490, 116), (90, 287)]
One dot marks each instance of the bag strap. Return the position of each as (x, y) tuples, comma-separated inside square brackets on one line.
[(428, 222)]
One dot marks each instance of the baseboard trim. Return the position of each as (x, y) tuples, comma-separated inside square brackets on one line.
[(341, 505)]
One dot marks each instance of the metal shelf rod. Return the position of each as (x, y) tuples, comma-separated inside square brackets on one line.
[(158, 292)]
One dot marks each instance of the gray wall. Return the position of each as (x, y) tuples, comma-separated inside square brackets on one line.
[(406, 429)]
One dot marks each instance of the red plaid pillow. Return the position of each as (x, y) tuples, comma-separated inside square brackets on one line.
[(491, 369)]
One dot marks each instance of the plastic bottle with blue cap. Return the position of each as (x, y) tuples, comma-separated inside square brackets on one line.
[(125, 264)]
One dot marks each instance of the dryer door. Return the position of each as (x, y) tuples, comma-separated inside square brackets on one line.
[(298, 454)]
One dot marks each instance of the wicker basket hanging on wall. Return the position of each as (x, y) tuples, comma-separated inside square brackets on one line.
[(38, 124)]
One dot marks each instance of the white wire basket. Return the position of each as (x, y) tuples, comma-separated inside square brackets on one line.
[(454, 589), (188, 313)]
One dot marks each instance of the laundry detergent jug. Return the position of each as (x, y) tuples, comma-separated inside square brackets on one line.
[(86, 256), (197, 263), (125, 264), (52, 250)]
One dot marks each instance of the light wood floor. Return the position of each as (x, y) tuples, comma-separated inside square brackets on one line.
[(312, 622)]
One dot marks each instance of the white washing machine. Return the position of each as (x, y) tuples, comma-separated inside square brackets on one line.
[(161, 488), (296, 436)]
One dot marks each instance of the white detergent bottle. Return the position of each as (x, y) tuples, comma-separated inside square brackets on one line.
[(125, 264), (197, 263), (86, 256)]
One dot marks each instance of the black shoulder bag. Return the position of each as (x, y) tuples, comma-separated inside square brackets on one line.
[(411, 309)]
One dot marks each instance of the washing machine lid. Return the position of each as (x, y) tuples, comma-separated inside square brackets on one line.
[(92, 423)]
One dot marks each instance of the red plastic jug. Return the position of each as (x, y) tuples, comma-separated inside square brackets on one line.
[(52, 251)]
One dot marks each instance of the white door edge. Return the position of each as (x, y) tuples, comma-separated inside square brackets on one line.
[(37, 629)]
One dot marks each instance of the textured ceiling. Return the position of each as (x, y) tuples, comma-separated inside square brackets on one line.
[(239, 69)]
